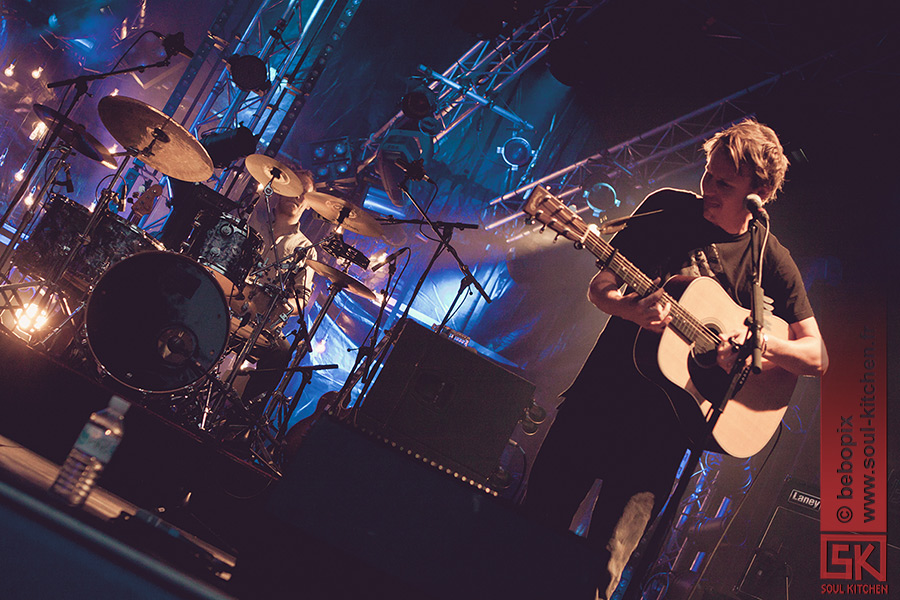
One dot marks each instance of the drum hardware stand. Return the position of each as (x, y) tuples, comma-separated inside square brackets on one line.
[(276, 417), (362, 369), (278, 410), (50, 287), (106, 196), (444, 231), (32, 208), (81, 86)]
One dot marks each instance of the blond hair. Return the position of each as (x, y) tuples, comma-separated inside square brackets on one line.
[(756, 147)]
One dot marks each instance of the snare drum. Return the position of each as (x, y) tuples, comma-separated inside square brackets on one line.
[(157, 322), (229, 248)]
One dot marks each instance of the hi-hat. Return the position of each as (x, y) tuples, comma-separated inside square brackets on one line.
[(266, 170), (347, 215), (75, 135), (341, 279), (160, 142)]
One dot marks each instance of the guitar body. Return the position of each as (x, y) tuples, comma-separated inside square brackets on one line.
[(682, 360), (668, 359)]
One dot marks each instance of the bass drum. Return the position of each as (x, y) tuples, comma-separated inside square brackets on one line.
[(157, 322)]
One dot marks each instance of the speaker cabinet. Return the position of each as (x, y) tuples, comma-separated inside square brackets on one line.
[(441, 400), (788, 551), (360, 518)]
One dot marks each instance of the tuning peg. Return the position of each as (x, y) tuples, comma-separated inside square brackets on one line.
[(556, 238), (529, 220), (579, 246), (543, 227)]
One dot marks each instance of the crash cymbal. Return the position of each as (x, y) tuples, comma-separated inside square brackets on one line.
[(354, 286), (340, 212), (265, 169), (75, 135), (160, 142)]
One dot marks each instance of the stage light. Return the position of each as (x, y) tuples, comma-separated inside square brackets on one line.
[(330, 160), (38, 72), (249, 73), (225, 147), (40, 128), (10, 70), (419, 103), (516, 152), (20, 174), (29, 319), (600, 197), (401, 147), (29, 199)]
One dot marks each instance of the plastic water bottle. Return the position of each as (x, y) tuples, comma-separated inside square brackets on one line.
[(92, 451)]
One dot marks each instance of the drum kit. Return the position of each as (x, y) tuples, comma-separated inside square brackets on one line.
[(159, 321)]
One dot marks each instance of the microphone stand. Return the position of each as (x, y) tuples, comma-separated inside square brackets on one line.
[(444, 231), (751, 348)]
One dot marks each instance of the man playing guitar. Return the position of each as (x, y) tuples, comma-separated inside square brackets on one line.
[(616, 425)]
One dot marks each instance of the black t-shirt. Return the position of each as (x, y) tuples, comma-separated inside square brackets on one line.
[(677, 240)]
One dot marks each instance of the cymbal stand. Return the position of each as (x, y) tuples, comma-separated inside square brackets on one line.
[(32, 208), (83, 239), (298, 354), (366, 356), (80, 84), (444, 232), (10, 250)]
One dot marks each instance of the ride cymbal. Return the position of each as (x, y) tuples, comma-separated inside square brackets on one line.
[(158, 140)]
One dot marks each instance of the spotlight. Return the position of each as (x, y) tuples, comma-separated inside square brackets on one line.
[(10, 70), (330, 159), (30, 319), (225, 147), (600, 197), (249, 73), (421, 102), (37, 72), (516, 152), (401, 147), (40, 128)]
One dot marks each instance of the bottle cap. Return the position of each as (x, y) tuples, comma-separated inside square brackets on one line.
[(118, 404)]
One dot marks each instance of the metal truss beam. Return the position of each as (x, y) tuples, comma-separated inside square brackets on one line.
[(673, 147), (474, 80)]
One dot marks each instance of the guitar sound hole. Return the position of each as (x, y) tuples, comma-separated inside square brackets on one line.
[(702, 353)]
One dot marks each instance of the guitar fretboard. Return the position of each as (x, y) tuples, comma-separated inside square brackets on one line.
[(550, 211)]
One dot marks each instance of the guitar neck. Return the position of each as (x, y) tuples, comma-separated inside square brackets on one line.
[(549, 210), (682, 321)]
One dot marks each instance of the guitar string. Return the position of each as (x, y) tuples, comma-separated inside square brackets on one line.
[(685, 322)]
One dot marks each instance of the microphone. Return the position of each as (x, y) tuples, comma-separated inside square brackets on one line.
[(755, 205), (414, 170), (390, 258), (173, 44)]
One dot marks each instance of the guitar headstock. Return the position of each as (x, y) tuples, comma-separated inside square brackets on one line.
[(550, 210)]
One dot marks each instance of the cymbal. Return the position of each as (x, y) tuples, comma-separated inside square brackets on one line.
[(75, 135), (265, 169), (352, 285), (340, 212), (161, 142)]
